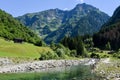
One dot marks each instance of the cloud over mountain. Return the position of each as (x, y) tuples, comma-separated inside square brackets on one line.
[(81, 1)]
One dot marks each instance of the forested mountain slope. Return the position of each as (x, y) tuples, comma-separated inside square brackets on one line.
[(54, 24), (109, 33), (11, 28)]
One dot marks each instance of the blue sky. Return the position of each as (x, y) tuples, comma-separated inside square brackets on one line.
[(20, 7)]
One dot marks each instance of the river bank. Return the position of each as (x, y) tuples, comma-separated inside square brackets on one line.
[(107, 69), (7, 66)]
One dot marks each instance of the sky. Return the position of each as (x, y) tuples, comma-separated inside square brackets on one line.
[(21, 7)]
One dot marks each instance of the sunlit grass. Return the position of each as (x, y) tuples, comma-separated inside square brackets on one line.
[(11, 49)]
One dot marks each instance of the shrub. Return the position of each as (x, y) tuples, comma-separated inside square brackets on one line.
[(48, 55), (108, 46), (73, 53), (60, 52), (93, 55), (117, 55), (105, 56)]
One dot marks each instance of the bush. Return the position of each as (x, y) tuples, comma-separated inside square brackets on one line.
[(40, 43), (117, 55), (105, 56), (73, 53), (60, 52), (93, 55), (48, 55)]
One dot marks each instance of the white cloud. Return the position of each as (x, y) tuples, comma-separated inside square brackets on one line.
[(81, 1), (65, 9)]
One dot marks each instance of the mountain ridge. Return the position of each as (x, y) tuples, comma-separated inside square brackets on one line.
[(51, 21)]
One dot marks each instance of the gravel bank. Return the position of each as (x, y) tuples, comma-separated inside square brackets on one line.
[(38, 66)]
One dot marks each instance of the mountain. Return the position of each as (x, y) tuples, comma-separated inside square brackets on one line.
[(54, 24), (11, 28), (83, 19), (43, 22), (109, 33)]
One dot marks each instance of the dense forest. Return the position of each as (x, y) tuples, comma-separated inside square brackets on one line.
[(109, 33), (75, 43)]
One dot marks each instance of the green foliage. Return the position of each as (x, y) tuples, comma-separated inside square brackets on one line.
[(73, 53), (75, 43), (104, 56), (108, 46), (93, 55), (80, 48), (48, 55), (88, 41), (62, 51), (10, 29), (116, 55)]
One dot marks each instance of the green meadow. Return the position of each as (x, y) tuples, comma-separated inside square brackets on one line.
[(24, 50)]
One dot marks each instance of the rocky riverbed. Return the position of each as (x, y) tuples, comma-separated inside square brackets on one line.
[(7, 66), (107, 69)]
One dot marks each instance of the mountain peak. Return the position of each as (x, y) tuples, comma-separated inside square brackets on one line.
[(114, 19), (83, 19), (117, 11), (116, 15), (85, 6)]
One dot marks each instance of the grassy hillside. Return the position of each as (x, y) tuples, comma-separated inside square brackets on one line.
[(11, 29), (24, 50)]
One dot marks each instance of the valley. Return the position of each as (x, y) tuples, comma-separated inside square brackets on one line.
[(82, 43)]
